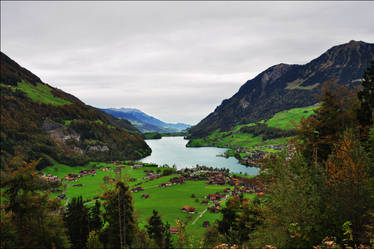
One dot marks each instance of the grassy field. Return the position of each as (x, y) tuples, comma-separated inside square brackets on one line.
[(288, 119), (285, 120), (41, 93), (167, 201), (232, 139)]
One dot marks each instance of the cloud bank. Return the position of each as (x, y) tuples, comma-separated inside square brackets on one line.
[(174, 60)]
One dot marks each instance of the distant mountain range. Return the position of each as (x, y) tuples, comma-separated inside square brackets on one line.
[(282, 87), (145, 122)]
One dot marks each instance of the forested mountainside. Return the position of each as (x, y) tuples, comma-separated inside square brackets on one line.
[(39, 121), (145, 122), (282, 87)]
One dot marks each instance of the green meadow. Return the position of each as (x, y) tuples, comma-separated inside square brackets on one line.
[(289, 119), (167, 201), (41, 93), (285, 120)]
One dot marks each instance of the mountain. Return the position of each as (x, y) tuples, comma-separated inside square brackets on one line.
[(282, 87), (145, 122), (40, 122)]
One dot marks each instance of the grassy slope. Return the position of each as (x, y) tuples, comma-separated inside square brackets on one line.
[(284, 120), (168, 201), (41, 93), (288, 119)]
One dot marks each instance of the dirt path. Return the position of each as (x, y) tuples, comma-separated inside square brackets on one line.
[(198, 217), (203, 212)]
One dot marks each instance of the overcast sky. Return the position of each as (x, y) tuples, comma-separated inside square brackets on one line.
[(174, 60)]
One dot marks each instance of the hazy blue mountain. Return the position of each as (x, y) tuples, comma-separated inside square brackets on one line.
[(145, 122)]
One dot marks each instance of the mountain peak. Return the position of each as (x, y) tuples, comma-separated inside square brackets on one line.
[(283, 86)]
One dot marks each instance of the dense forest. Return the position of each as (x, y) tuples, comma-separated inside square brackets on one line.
[(321, 196)]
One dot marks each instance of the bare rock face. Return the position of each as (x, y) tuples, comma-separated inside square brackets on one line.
[(98, 148)]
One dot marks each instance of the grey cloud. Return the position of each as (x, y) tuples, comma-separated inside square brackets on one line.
[(175, 60)]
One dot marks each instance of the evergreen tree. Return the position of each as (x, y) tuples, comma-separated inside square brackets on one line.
[(366, 97), (167, 235), (76, 220), (156, 229), (337, 112), (33, 220), (95, 217), (119, 213), (365, 114)]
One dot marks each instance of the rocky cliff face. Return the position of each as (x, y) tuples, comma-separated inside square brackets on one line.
[(283, 87)]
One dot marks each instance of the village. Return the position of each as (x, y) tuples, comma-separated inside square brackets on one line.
[(165, 177)]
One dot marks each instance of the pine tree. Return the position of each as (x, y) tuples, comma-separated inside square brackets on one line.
[(76, 220), (155, 229), (167, 235), (365, 113), (33, 220), (119, 213), (95, 217)]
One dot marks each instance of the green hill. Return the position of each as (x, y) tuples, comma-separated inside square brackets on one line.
[(274, 131), (40, 122)]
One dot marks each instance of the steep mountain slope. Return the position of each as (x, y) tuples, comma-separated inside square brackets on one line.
[(145, 122), (42, 122), (282, 87)]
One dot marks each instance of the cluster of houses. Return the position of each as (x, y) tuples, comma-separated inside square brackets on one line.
[(253, 158), (50, 178), (190, 210), (151, 175), (73, 177), (173, 181)]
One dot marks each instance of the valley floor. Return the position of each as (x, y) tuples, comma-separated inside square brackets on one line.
[(168, 201)]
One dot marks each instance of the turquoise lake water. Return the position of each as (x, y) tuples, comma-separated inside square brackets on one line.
[(173, 150)]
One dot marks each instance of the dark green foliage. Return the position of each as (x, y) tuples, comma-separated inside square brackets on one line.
[(119, 214), (96, 222), (156, 229), (267, 132), (29, 218), (167, 235), (336, 112), (365, 113), (168, 171), (77, 220), (152, 135)]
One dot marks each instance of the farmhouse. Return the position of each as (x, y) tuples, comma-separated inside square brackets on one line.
[(137, 166), (137, 189), (177, 180), (50, 178), (188, 209), (173, 230)]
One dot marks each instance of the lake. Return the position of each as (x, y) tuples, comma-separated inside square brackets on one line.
[(173, 150)]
